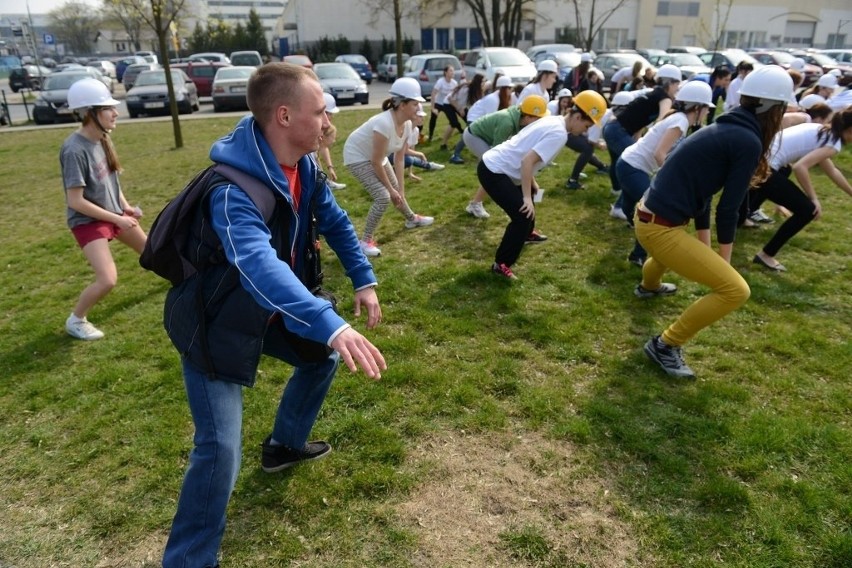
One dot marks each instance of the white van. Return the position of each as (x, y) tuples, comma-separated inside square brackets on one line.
[(514, 63)]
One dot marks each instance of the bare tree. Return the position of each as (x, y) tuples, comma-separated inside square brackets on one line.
[(159, 15), (499, 20), (597, 18), (397, 10), (117, 11), (76, 24)]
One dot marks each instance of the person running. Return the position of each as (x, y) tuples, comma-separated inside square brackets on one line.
[(507, 171), (546, 75), (441, 93), (798, 149), (730, 154), (641, 160), (625, 128), (495, 128), (365, 154), (97, 211)]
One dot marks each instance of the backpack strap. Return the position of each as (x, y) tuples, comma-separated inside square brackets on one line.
[(260, 193)]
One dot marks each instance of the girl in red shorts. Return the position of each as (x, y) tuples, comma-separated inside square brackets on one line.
[(97, 210)]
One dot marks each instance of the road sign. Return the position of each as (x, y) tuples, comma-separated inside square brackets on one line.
[(48, 39)]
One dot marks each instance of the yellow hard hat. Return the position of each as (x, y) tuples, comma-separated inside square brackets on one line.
[(534, 105), (592, 103)]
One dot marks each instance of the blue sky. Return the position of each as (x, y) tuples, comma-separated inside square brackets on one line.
[(36, 6)]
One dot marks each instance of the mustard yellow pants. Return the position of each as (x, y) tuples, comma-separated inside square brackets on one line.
[(672, 248)]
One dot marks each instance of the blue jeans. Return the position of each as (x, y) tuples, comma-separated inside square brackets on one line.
[(217, 411), (634, 182), (412, 161), (617, 140)]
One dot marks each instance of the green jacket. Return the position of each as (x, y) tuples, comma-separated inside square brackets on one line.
[(497, 127)]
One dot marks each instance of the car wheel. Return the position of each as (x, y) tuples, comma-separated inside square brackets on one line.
[(133, 115), (218, 108), (15, 89)]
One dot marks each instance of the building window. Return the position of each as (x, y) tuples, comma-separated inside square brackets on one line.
[(799, 33), (427, 39), (611, 38), (678, 8), (836, 41), (443, 39), (475, 38)]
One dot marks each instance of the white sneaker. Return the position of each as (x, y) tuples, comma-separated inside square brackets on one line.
[(419, 221), (436, 166), (583, 176), (82, 329), (334, 185), (617, 213), (477, 209), (369, 248)]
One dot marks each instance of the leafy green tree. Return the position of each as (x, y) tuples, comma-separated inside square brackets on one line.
[(199, 40), (76, 25), (255, 37), (239, 38), (342, 45), (220, 35), (367, 50), (387, 46)]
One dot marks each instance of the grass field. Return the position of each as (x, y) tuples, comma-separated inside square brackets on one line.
[(517, 425)]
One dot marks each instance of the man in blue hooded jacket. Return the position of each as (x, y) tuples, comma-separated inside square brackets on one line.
[(222, 319)]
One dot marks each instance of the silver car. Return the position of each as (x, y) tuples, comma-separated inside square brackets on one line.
[(229, 87), (343, 83), (428, 68)]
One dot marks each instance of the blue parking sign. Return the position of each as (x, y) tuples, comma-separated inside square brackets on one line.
[(48, 39)]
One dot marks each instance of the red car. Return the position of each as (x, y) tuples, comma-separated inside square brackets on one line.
[(202, 74), (302, 60), (811, 73)]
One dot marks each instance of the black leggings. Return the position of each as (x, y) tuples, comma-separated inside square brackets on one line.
[(780, 189), (452, 116), (510, 198), (581, 145)]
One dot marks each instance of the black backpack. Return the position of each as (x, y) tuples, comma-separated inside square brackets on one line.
[(164, 252)]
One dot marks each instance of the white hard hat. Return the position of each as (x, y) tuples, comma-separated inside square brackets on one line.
[(89, 93), (810, 100), (797, 63), (622, 98), (420, 111), (330, 103), (669, 71), (585, 57), (407, 88), (696, 92), (504, 81), (769, 83), (564, 93), (548, 66), (828, 81), (499, 71)]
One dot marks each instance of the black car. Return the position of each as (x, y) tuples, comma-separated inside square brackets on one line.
[(27, 77)]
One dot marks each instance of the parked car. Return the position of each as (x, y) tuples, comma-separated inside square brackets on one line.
[(105, 67), (688, 63), (610, 63), (251, 58), (134, 70), (148, 56), (68, 65), (229, 87), (387, 68), (428, 67), (811, 73), (730, 58), (122, 64), (202, 74), (150, 94), (839, 55), (52, 103), (342, 82), (514, 63), (685, 49), (537, 50), (359, 63), (213, 56), (27, 77), (302, 60), (825, 62), (648, 52)]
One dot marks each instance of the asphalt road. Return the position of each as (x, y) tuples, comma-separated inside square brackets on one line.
[(20, 112)]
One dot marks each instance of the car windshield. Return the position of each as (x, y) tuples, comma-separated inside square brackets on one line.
[(681, 59), (234, 73), (297, 59), (564, 59), (820, 59), (340, 71), (59, 81), (509, 58), (353, 59), (782, 57), (157, 78)]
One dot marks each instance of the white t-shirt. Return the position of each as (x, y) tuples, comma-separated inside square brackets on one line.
[(732, 97), (533, 89), (359, 144), (625, 74), (486, 105), (414, 137), (840, 101), (546, 136), (791, 144), (641, 154), (552, 106), (445, 88)]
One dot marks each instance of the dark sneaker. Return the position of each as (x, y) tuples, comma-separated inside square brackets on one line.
[(277, 458), (443, 147), (669, 358), (503, 271), (456, 159), (535, 237), (603, 171), (637, 260), (665, 289), (573, 184)]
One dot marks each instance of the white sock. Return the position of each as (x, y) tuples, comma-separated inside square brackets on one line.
[(75, 319)]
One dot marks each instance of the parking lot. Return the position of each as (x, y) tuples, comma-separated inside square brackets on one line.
[(18, 111)]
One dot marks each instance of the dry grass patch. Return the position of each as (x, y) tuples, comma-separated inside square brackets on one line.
[(491, 489)]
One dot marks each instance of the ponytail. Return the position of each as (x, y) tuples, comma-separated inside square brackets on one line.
[(770, 124), (106, 143)]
